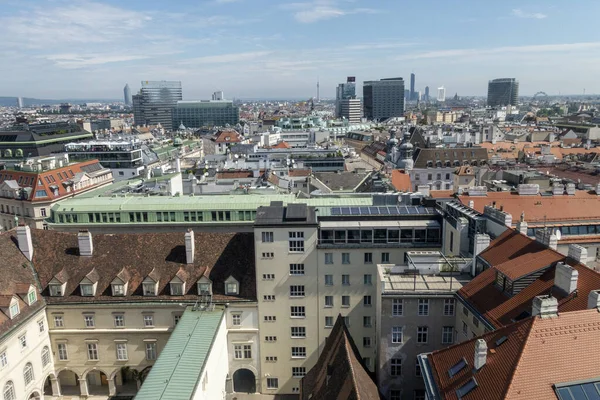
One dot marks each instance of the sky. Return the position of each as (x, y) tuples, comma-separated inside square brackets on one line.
[(54, 49)]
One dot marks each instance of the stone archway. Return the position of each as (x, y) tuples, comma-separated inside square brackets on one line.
[(35, 395), (127, 381), (97, 382), (244, 381), (68, 381)]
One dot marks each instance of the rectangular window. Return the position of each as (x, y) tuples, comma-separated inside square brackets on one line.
[(176, 288), (346, 280), (119, 320), (272, 383), (475, 321), (122, 351), (298, 372), (396, 366), (366, 321), (148, 320), (419, 394), (368, 258), (368, 279), (397, 336), (62, 352), (268, 277), (345, 258), (268, 255), (298, 352), (271, 358), (92, 350), (149, 289), (328, 322), (385, 258), (367, 362), (32, 297), (449, 307), (41, 326), (296, 290), (465, 329), (176, 319), (3, 360), (242, 352), (367, 301), (267, 237), (296, 269), (87, 290), (394, 393), (296, 242), (328, 301), (89, 321), (269, 297), (328, 280), (397, 307), (345, 301), (328, 258), (270, 339), (366, 341), (118, 289), (297, 312), (151, 351), (270, 318), (423, 307), (422, 334), (447, 335), (58, 321), (236, 319), (298, 332), (417, 368)]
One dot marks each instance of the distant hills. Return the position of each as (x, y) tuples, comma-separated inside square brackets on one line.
[(28, 101)]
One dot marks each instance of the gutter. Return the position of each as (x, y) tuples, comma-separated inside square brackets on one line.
[(427, 373)]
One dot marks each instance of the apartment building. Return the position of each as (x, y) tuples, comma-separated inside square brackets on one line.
[(314, 264)]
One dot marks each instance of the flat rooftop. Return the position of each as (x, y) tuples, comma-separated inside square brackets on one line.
[(402, 283)]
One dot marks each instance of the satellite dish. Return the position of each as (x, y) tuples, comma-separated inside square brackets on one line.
[(558, 234)]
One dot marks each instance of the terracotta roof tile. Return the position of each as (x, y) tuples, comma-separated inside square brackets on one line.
[(296, 173), (93, 276), (401, 181)]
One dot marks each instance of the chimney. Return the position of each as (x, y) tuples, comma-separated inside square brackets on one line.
[(598, 189), (86, 245), (578, 253), (482, 242), (178, 165), (547, 238), (24, 239), (189, 246), (522, 224), (545, 307), (480, 354), (565, 278), (471, 204), (594, 299)]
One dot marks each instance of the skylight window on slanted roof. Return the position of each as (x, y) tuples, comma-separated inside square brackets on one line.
[(457, 367), (501, 340), (466, 388), (581, 390)]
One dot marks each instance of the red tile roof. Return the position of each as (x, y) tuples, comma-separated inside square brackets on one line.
[(282, 145), (297, 173), (401, 181), (228, 137)]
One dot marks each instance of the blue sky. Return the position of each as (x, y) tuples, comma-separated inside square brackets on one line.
[(278, 49)]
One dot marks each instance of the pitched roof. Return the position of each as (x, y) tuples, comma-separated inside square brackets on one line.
[(462, 155), (401, 181), (537, 354), (228, 137), (464, 170), (339, 373), (282, 145)]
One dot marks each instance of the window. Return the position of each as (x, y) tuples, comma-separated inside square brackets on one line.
[(32, 297), (269, 297), (148, 320), (465, 311), (447, 334), (328, 280), (385, 258), (270, 318), (236, 319), (270, 339), (89, 321), (176, 289), (328, 301), (58, 321), (395, 394), (366, 321), (298, 332), (176, 319), (328, 322), (151, 351), (272, 383), (417, 368), (296, 242), (118, 289), (122, 351), (3, 359), (119, 320), (268, 277), (366, 341), (397, 334), (87, 289), (267, 237), (268, 255), (41, 325), (397, 307), (14, 309), (298, 352), (92, 349), (367, 362), (448, 307), (396, 366), (367, 301), (345, 258), (242, 352), (204, 288), (271, 358), (368, 279), (475, 322), (149, 289), (298, 372), (296, 269), (422, 334), (328, 258), (297, 291), (45, 356), (345, 301), (423, 307), (419, 394), (9, 391), (368, 258), (231, 288), (297, 312), (346, 280), (55, 290), (62, 351), (23, 341), (465, 329)]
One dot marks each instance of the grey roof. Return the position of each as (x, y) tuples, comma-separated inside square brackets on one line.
[(462, 155), (340, 180), (293, 214)]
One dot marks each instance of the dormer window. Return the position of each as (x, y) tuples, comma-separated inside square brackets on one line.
[(14, 308), (176, 289), (118, 289), (149, 288), (204, 288), (119, 284), (31, 297), (232, 286), (87, 289), (56, 290)]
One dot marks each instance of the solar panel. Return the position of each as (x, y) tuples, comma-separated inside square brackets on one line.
[(374, 210), (355, 211), (345, 210), (335, 211), (384, 210), (457, 367)]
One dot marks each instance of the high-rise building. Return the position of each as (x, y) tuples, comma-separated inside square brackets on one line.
[(196, 114), (426, 93), (503, 92), (441, 94), (344, 91), (155, 102), (406, 95), (384, 98), (351, 109), (412, 87), (20, 102), (127, 95), (218, 95)]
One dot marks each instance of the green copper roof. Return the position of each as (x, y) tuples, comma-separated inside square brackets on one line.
[(179, 367)]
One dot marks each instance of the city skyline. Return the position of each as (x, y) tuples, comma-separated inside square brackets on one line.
[(254, 49)]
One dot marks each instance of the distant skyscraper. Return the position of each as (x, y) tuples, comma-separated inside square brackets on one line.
[(127, 95), (384, 98), (412, 87), (218, 95), (503, 92), (351, 110), (406, 95), (426, 93), (155, 102), (441, 94), (344, 91), (20, 102)]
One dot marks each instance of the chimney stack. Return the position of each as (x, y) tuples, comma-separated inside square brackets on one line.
[(598, 189), (522, 224), (545, 307), (86, 245), (24, 239), (480, 354), (547, 238), (578, 253), (189, 246), (594, 299), (565, 278), (471, 204)]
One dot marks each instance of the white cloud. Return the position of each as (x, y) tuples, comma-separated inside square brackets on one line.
[(319, 10), (227, 58), (517, 12)]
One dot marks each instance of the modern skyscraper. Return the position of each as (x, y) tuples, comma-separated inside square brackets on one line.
[(412, 87), (127, 95), (197, 114), (503, 92), (155, 102), (441, 94), (344, 91), (351, 110), (20, 102), (384, 98), (426, 93)]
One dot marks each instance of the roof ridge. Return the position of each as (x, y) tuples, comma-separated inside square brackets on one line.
[(520, 356), (348, 356)]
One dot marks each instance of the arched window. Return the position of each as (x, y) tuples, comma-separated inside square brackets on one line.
[(45, 356), (9, 391), (28, 374)]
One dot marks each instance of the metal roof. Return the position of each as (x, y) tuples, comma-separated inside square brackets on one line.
[(177, 371)]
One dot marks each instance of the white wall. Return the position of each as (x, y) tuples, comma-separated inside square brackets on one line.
[(211, 385)]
